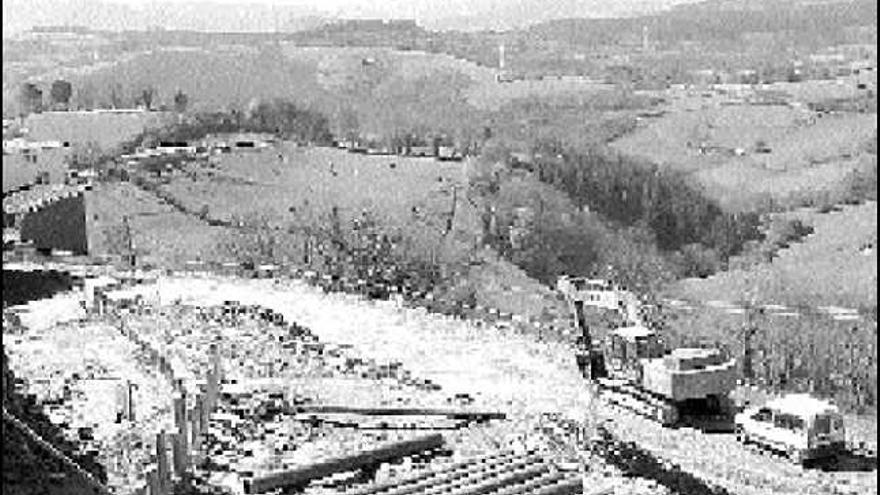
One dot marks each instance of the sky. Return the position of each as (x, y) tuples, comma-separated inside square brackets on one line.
[(235, 14), (402, 8), (396, 8)]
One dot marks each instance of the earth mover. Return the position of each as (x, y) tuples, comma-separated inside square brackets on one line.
[(631, 368)]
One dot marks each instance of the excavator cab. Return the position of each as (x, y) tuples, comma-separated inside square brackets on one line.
[(626, 347)]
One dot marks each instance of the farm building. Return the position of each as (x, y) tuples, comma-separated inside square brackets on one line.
[(21, 145), (702, 79), (242, 141), (865, 73), (46, 166)]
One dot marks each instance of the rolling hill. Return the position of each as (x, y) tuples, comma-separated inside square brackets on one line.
[(836, 265)]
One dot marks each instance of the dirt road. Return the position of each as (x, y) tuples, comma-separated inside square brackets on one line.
[(510, 372)]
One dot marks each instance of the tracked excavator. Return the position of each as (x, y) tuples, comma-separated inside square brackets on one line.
[(632, 368)]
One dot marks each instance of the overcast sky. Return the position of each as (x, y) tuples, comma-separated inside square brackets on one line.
[(236, 15), (420, 8)]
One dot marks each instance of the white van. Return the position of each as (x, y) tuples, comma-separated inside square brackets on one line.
[(801, 426)]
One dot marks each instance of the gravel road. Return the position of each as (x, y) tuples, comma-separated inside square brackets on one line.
[(509, 372)]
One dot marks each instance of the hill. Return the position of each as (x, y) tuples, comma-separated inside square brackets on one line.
[(213, 79), (720, 35), (160, 235), (809, 153), (715, 23), (836, 265)]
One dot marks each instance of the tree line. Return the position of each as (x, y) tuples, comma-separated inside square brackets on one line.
[(61, 98), (361, 247), (629, 192), (278, 117), (653, 226), (807, 353)]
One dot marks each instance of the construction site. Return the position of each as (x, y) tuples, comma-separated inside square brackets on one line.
[(194, 382), (455, 249)]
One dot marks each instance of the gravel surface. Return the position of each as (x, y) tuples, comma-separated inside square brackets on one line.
[(512, 373), (89, 360), (499, 369)]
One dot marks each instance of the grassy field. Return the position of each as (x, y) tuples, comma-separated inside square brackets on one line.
[(246, 186), (831, 266), (160, 235), (321, 178), (804, 156)]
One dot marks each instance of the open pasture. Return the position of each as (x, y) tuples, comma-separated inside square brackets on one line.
[(292, 184), (806, 150), (159, 234)]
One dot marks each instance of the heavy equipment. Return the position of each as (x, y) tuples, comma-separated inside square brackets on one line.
[(632, 368)]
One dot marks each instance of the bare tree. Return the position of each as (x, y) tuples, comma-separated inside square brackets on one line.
[(147, 97), (60, 94), (116, 96), (181, 101), (85, 96)]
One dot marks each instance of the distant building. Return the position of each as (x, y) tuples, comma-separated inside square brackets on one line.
[(827, 58), (173, 148), (243, 141), (30, 167), (54, 30), (704, 78), (21, 145), (866, 78), (733, 90), (746, 76), (523, 220)]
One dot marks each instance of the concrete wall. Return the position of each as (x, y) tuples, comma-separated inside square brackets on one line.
[(107, 129), (59, 225)]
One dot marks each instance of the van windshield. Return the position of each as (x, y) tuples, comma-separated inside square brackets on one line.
[(788, 421), (822, 425)]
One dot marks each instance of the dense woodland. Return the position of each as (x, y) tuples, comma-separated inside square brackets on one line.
[(675, 210), (810, 353)]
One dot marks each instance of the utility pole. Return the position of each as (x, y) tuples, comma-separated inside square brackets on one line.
[(750, 329), (129, 242), (451, 219)]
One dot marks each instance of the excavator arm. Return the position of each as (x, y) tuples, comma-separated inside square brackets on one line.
[(590, 359)]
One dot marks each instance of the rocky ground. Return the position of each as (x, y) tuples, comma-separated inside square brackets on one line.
[(344, 349)]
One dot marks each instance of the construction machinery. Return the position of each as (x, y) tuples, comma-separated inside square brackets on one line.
[(632, 368)]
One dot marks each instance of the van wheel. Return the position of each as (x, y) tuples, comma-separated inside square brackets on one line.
[(740, 434), (667, 415)]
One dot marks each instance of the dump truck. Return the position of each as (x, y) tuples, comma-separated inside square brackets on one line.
[(632, 368)]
